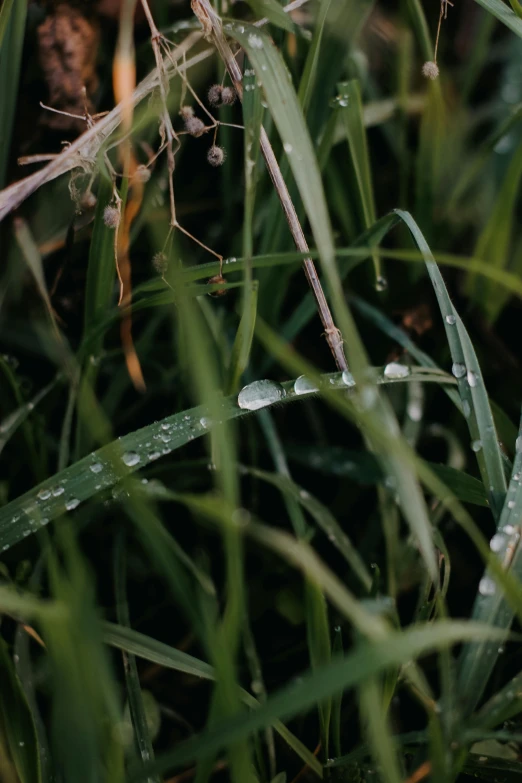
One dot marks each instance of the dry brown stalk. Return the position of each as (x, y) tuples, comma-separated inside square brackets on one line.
[(212, 30)]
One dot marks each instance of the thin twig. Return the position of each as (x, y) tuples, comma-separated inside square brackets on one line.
[(212, 30)]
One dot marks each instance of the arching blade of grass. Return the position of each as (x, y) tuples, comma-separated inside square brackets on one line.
[(503, 13), (466, 368), (107, 466), (171, 658), (477, 661), (12, 28), (243, 340), (367, 660)]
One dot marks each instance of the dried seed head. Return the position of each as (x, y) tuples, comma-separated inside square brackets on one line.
[(186, 112), (430, 70), (160, 263), (111, 217), (194, 126), (214, 95), (228, 96), (88, 200), (142, 174), (216, 155), (217, 280)]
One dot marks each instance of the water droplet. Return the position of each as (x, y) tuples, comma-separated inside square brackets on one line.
[(205, 423), (96, 467), (466, 409), (255, 41), (343, 102), (518, 443), (511, 504), (414, 410), (381, 284), (131, 458), (288, 148), (487, 586), (476, 445), (396, 370), (348, 378), (497, 542), (259, 394), (472, 378), (451, 320), (166, 425), (509, 530), (44, 494), (304, 385), (72, 503), (154, 455), (458, 370), (516, 476)]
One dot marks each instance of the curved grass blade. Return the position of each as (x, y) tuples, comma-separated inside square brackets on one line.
[(477, 661), (10, 424), (104, 468), (12, 29), (367, 660), (171, 658), (466, 368), (503, 13)]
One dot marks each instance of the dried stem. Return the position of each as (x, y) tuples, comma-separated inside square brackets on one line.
[(212, 30)]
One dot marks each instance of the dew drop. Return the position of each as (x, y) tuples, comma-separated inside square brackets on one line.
[(487, 586), (511, 504), (472, 378), (497, 542), (57, 491), (451, 320), (509, 530), (154, 455), (381, 284), (131, 458), (288, 148), (205, 423), (458, 370), (466, 409), (44, 494), (255, 41), (96, 467), (166, 425), (414, 410), (72, 503), (348, 378), (259, 394), (396, 370), (476, 445), (518, 443), (304, 385)]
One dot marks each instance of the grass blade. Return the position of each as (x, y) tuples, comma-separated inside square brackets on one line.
[(12, 29)]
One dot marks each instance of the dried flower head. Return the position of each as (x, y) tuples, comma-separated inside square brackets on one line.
[(228, 96), (186, 112), (214, 95), (216, 155), (160, 263), (194, 126), (142, 174), (217, 280), (111, 217), (430, 70)]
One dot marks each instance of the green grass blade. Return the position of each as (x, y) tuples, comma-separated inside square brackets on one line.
[(378, 730), (243, 341), (471, 384), (140, 725), (367, 660), (12, 29), (477, 661), (308, 79), (504, 14), (5, 15), (274, 13)]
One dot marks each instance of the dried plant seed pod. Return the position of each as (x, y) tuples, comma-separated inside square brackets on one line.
[(217, 280), (142, 174), (216, 155), (214, 95), (160, 263), (111, 217), (194, 126), (186, 112), (88, 201), (430, 70), (228, 96)]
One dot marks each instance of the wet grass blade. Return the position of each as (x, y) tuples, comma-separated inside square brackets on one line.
[(466, 368), (477, 661)]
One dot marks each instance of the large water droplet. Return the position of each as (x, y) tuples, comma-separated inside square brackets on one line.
[(476, 445), (381, 284), (304, 385), (348, 378), (287, 148), (472, 378), (451, 320), (131, 458), (458, 369), (96, 467), (44, 494), (487, 586), (396, 370), (414, 410), (72, 503), (255, 41), (518, 443), (511, 504), (497, 542), (259, 394)]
